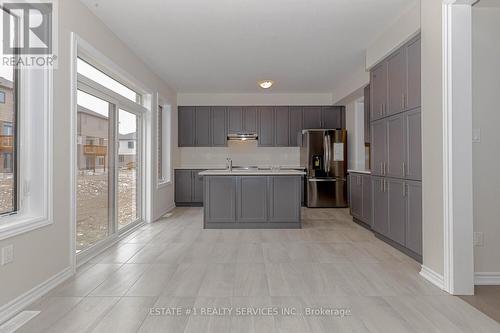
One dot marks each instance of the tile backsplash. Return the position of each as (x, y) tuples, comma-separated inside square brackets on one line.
[(245, 153)]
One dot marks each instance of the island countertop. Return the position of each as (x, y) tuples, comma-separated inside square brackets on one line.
[(252, 173)]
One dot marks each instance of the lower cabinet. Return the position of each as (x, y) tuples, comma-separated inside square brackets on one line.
[(360, 197), (188, 188), (397, 211), (252, 201)]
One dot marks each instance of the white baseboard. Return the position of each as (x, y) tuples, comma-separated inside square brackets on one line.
[(165, 211), (15, 306), (433, 277), (487, 278)]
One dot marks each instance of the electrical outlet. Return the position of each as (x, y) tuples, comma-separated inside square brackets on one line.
[(478, 238), (7, 254)]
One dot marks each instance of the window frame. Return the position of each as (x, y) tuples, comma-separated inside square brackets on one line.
[(166, 137)]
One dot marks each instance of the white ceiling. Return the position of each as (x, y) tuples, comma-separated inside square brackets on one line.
[(226, 46)]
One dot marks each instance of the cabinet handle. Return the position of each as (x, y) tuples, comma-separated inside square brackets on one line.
[(382, 168), (382, 185), (385, 168), (381, 109), (385, 186), (403, 101), (404, 169), (404, 190)]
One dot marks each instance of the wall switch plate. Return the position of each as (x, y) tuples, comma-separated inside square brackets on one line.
[(478, 238), (7, 254), (476, 135)]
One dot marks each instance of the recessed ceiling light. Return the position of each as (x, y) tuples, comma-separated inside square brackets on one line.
[(266, 84)]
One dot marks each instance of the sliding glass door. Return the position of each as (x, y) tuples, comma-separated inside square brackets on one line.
[(129, 202), (108, 167), (94, 180)]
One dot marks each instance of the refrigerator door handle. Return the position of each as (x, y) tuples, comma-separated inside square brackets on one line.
[(322, 180)]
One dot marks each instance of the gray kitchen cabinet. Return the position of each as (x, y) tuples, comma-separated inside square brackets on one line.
[(379, 147), (312, 117), (235, 119), (396, 193), (414, 96), (356, 195), (367, 114), (395, 146), (266, 126), (331, 117), (360, 197), (414, 216), (188, 187), (366, 214), (413, 143), (218, 126), (220, 211), (378, 83), (252, 198), (246, 202), (197, 196), (282, 128), (202, 127), (284, 192), (250, 119), (295, 121), (183, 186), (186, 133), (396, 82), (380, 206)]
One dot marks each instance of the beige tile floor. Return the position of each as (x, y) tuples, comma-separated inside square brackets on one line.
[(331, 263)]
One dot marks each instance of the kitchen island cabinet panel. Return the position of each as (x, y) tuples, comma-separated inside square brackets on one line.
[(252, 199), (285, 199), (216, 210)]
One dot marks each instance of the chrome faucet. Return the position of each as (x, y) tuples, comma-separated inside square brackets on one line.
[(229, 164)]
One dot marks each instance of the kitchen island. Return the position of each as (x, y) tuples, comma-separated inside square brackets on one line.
[(252, 199)]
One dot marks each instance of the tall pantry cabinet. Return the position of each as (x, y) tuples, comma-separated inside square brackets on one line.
[(396, 149)]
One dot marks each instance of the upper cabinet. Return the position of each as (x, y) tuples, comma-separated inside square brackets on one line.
[(396, 82), (276, 126), (295, 121), (235, 119), (266, 126), (378, 81), (312, 117), (218, 126), (282, 132), (186, 126), (367, 114), (414, 97)]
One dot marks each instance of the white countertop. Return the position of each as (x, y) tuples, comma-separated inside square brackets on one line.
[(223, 167), (366, 172), (252, 173)]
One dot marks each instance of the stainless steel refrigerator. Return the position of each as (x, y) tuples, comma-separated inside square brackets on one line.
[(324, 154)]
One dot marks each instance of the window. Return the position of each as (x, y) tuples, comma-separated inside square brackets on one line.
[(91, 72), (109, 174), (8, 139), (163, 144)]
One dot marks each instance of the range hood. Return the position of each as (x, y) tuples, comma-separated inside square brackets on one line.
[(242, 136)]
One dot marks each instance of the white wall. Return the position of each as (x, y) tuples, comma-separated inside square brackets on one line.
[(263, 98), (400, 31), (486, 117), (43, 253), (355, 125), (432, 138)]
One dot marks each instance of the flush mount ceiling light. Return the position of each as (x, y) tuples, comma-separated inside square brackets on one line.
[(266, 84)]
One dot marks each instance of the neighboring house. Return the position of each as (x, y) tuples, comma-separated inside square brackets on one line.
[(7, 126), (127, 150), (92, 140)]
